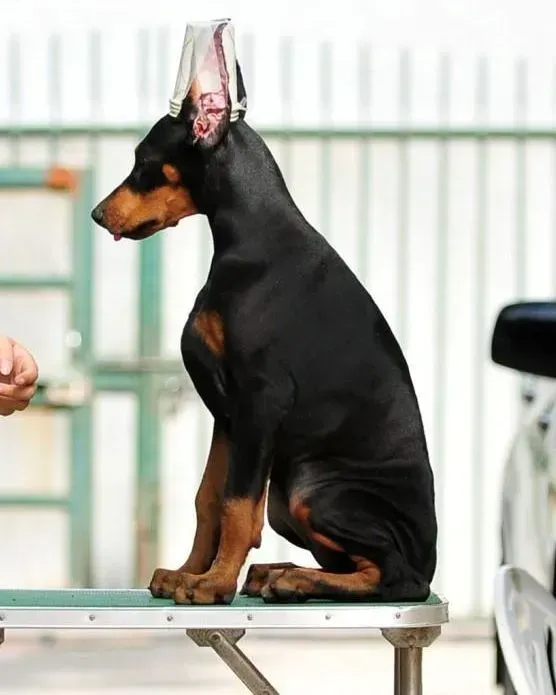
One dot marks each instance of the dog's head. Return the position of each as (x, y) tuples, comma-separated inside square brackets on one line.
[(167, 176)]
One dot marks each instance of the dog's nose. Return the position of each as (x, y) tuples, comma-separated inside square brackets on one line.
[(97, 214)]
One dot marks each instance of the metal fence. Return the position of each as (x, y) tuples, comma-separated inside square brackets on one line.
[(442, 220)]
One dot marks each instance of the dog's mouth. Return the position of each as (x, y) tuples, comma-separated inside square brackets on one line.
[(144, 230)]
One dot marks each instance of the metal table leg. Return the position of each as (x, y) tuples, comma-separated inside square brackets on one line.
[(408, 646), (407, 664), (223, 642), (397, 670)]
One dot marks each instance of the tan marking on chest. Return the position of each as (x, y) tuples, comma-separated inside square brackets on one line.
[(209, 327)]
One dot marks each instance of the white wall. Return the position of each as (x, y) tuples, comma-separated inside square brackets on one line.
[(483, 25)]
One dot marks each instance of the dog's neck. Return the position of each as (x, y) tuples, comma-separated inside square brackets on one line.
[(244, 194)]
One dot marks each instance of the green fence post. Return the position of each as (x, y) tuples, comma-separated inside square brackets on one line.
[(149, 425), (81, 417)]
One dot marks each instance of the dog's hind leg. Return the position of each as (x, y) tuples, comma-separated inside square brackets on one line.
[(343, 577), (258, 574), (300, 584), (358, 553), (284, 524)]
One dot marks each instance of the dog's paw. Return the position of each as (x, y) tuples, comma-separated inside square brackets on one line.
[(204, 589), (257, 577), (163, 583), (285, 586)]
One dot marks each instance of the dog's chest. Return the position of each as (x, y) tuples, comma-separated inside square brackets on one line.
[(203, 354)]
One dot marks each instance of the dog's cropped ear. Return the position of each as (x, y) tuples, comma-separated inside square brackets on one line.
[(211, 115)]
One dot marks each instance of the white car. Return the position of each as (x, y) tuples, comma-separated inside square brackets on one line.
[(524, 339)]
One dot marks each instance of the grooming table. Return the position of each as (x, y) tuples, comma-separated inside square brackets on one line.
[(409, 627)]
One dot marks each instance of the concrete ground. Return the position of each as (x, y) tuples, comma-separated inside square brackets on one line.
[(459, 663)]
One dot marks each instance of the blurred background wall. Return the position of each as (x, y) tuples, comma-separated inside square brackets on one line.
[(418, 137)]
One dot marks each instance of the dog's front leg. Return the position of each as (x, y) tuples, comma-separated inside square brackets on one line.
[(208, 502), (250, 455)]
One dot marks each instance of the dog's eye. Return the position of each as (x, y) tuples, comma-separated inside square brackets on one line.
[(139, 176), (146, 175)]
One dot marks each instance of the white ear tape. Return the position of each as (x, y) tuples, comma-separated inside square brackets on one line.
[(201, 60)]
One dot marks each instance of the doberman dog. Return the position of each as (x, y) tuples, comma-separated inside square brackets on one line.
[(311, 395)]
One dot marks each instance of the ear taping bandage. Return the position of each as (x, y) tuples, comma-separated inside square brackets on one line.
[(208, 70)]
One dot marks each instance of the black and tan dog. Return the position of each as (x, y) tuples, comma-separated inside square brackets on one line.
[(311, 395)]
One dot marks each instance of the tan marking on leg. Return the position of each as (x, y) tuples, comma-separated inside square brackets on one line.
[(219, 584), (257, 576), (302, 513), (207, 533), (259, 519), (300, 584)]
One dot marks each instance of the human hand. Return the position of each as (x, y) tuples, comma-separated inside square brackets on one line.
[(18, 376)]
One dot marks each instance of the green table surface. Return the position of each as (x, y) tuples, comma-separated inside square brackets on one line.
[(141, 598)]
